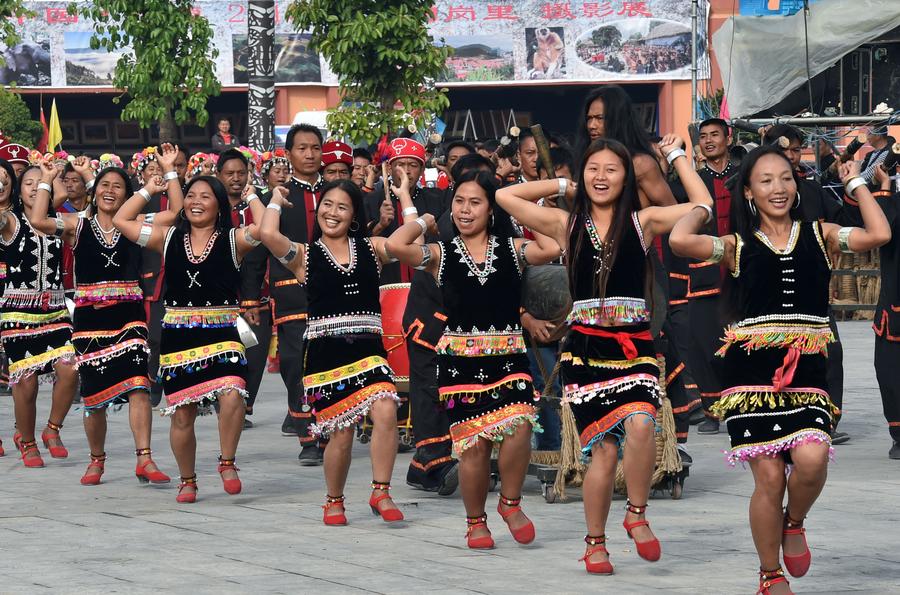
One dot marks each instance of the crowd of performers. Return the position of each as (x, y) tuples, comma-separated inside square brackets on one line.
[(740, 252)]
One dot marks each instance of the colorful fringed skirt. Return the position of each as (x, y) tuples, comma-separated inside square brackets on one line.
[(776, 397), (34, 339), (609, 374), (111, 346), (201, 357), (486, 396), (344, 376)]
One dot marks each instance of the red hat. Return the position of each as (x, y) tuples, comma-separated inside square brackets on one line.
[(407, 147), (334, 151), (14, 153)]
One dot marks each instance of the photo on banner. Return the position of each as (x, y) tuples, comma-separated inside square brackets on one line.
[(480, 58), (86, 66), (294, 61), (27, 63)]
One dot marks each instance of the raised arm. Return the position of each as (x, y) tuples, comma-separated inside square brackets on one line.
[(172, 187), (247, 238), (290, 254), (656, 221), (876, 230), (404, 245), (542, 250), (64, 224), (653, 189), (128, 218), (519, 201)]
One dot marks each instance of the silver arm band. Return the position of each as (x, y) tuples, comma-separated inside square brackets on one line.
[(145, 193), (426, 257), (291, 255), (251, 197), (170, 175), (411, 212), (45, 186), (709, 212), (563, 186), (675, 154), (144, 236), (89, 184), (422, 224), (274, 206), (522, 251), (844, 239), (853, 184), (250, 239), (60, 227), (718, 250)]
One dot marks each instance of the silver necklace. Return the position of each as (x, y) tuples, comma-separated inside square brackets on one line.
[(479, 272)]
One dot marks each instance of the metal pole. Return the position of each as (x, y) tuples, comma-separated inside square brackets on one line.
[(694, 106), (261, 66), (753, 124)]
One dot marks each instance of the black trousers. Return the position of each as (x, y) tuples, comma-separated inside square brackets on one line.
[(291, 352), (704, 321), (887, 371), (257, 357), (429, 420), (680, 386), (835, 375)]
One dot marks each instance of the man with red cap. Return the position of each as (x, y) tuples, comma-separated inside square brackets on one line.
[(431, 469), (16, 154), (337, 161)]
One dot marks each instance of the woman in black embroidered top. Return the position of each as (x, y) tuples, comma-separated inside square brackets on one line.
[(34, 323), (7, 185), (483, 373), (608, 364), (201, 355), (110, 329), (346, 373), (775, 401)]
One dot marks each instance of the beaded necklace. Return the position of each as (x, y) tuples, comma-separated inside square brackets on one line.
[(100, 234), (190, 251), (604, 249), (480, 272), (792, 239), (344, 269)]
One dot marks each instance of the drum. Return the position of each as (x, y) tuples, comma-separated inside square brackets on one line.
[(393, 303), (545, 292)]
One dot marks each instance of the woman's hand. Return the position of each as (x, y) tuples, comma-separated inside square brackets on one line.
[(49, 171), (403, 188), (848, 170), (167, 155), (82, 165), (155, 185), (669, 143)]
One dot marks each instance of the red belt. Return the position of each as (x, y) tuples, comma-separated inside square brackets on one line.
[(785, 374), (625, 340)]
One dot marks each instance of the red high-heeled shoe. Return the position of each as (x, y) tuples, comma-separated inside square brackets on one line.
[(338, 518), (94, 470), (485, 542), (30, 448), (797, 565), (145, 476), (51, 433), (525, 533), (187, 497), (389, 515), (648, 550), (596, 544), (768, 578), (2, 452), (232, 486)]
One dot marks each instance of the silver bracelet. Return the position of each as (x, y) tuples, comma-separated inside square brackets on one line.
[(718, 250), (411, 211), (250, 239), (709, 212), (145, 193), (522, 251), (563, 186), (89, 184), (291, 255), (422, 224), (854, 183), (144, 236), (426, 258), (675, 154), (170, 175), (274, 206), (844, 239), (60, 227), (45, 186), (251, 197)]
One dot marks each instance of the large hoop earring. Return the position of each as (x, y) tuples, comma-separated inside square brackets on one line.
[(492, 220), (797, 202), (752, 207), (352, 223)]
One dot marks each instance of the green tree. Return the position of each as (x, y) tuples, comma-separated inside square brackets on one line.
[(607, 37), (10, 12), (167, 68), (383, 55), (15, 120)]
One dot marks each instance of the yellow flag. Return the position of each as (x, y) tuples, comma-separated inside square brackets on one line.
[(54, 136)]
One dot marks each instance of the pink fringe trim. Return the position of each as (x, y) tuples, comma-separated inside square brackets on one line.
[(747, 453)]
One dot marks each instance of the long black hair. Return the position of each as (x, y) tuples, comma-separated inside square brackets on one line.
[(13, 181), (627, 203), (223, 219), (500, 224), (620, 122), (16, 200), (358, 231), (129, 189)]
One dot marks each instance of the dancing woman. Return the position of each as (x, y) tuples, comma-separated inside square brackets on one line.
[(201, 356), (110, 335), (7, 186), (608, 363), (775, 403), (346, 372), (483, 375), (34, 323)]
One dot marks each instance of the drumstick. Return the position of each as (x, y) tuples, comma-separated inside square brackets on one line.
[(543, 149)]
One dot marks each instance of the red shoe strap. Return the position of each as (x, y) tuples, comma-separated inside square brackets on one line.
[(188, 482), (377, 499), (98, 459), (641, 523), (635, 509)]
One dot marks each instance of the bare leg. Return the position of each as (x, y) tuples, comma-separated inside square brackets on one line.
[(474, 476), (95, 430), (638, 461), (765, 509), (140, 418), (63, 391), (598, 488), (512, 462), (25, 406), (231, 422), (184, 440), (337, 463), (804, 485), (384, 445)]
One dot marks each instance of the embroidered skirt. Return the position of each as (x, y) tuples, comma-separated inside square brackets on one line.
[(604, 385), (111, 346), (198, 364), (765, 420), (487, 396), (35, 339), (343, 377)]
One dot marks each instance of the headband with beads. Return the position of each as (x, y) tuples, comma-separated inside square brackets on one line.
[(195, 163), (140, 160), (107, 160), (272, 158)]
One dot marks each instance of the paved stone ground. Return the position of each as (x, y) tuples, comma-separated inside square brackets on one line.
[(120, 537)]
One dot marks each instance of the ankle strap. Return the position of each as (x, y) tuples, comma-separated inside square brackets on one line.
[(53, 426), (791, 523), (510, 501), (100, 458), (141, 452), (765, 575), (334, 499), (27, 445), (633, 509), (476, 520), (188, 481), (381, 485), (595, 539), (226, 462)]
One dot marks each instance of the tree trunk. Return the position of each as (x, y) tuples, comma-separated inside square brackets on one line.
[(168, 133)]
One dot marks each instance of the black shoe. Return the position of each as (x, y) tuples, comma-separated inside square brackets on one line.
[(5, 390), (709, 426), (696, 416), (449, 480), (894, 453), (311, 455), (247, 424), (839, 437), (287, 426), (686, 459), (418, 479)]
